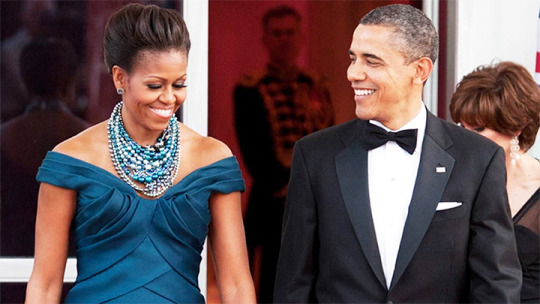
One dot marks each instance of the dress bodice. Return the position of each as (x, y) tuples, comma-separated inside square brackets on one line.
[(129, 247), (527, 230)]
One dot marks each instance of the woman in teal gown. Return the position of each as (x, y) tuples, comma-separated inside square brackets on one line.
[(141, 191)]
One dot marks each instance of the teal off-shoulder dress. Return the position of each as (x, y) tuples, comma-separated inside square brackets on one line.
[(135, 250)]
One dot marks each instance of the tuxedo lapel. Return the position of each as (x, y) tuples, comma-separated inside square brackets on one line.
[(351, 166), (433, 173)]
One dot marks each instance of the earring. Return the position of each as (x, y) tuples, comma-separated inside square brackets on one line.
[(514, 150), (120, 91)]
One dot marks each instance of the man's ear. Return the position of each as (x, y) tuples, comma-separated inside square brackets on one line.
[(424, 67), (119, 77)]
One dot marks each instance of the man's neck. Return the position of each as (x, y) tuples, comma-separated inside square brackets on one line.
[(403, 117)]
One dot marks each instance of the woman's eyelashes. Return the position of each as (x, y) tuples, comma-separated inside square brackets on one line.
[(159, 86), (180, 85), (479, 129), (154, 86)]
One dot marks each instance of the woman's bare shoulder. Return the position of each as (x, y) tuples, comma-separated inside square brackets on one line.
[(202, 150), (89, 145)]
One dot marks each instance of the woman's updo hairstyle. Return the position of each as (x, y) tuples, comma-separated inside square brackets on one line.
[(136, 27)]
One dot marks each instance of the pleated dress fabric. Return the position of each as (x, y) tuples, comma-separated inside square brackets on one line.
[(135, 250)]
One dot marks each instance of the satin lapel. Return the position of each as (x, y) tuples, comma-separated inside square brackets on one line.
[(351, 166), (433, 173)]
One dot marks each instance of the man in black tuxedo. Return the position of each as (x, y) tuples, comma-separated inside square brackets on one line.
[(397, 205)]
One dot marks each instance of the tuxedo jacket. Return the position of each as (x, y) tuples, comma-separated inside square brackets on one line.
[(329, 250)]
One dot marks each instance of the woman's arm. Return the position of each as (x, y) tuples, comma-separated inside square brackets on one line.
[(228, 247), (56, 208)]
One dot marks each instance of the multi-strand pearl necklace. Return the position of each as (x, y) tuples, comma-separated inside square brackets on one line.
[(156, 166)]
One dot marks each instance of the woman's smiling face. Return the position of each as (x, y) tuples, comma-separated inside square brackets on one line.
[(154, 90)]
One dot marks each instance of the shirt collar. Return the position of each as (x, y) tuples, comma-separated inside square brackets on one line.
[(418, 122)]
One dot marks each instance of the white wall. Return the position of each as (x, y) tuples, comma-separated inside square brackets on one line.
[(496, 30), (195, 109)]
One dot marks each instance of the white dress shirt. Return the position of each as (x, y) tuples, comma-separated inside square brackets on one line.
[(391, 178)]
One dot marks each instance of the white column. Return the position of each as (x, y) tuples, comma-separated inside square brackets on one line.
[(195, 108), (431, 9)]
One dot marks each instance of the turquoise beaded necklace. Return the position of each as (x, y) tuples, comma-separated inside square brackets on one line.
[(155, 166)]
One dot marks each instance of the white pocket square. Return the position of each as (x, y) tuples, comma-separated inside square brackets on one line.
[(448, 205)]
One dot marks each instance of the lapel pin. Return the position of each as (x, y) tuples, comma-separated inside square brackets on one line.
[(440, 169)]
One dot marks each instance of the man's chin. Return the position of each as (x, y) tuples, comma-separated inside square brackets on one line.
[(363, 114)]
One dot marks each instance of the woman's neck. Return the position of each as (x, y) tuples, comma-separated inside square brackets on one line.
[(144, 138), (523, 179), (141, 135)]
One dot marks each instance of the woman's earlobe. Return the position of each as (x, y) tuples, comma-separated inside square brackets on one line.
[(119, 76)]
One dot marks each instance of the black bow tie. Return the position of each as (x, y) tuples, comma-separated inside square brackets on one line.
[(375, 137)]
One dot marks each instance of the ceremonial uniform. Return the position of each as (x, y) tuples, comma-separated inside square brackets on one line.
[(275, 108)]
